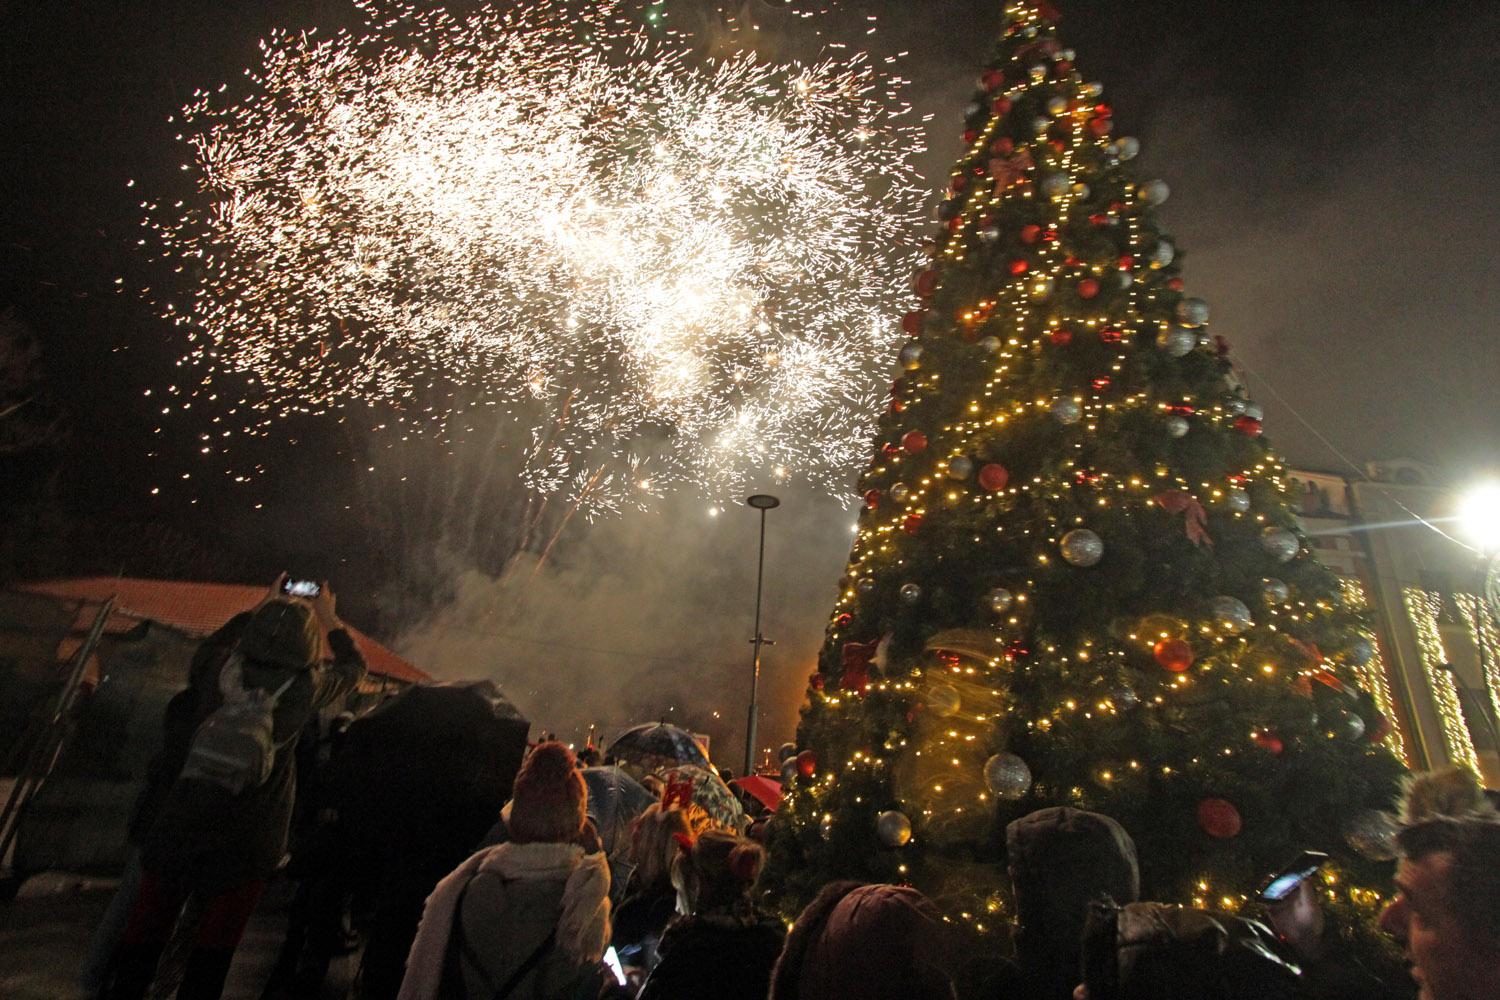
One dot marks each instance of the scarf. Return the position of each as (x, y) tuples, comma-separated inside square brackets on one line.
[(582, 929)]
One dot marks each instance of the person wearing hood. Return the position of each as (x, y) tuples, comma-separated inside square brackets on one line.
[(1062, 859), (527, 919), (724, 947), (865, 942), (221, 830)]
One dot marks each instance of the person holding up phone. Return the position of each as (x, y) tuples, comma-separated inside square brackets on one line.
[(1329, 969)]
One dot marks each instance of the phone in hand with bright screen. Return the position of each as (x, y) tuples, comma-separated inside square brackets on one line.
[(1283, 883), (301, 588), (612, 959)]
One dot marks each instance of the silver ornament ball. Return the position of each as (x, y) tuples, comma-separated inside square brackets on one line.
[(1276, 591), (1053, 184), (1176, 426), (1237, 500), (1162, 254), (1360, 651), (786, 751), (893, 828), (1127, 147), (1230, 614), (1236, 406), (1125, 697), (1041, 125), (1254, 411), (1177, 342), (899, 492), (1067, 411), (999, 600), (1007, 776), (911, 593), (1280, 543), (1192, 312), (1056, 105), (990, 344), (1372, 834), (1155, 192), (1124, 279), (1082, 548), (960, 467), (911, 356), (866, 586)]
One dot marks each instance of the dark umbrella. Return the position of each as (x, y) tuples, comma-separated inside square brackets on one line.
[(615, 799), (657, 745)]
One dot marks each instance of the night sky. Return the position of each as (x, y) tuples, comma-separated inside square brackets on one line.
[(1333, 170)]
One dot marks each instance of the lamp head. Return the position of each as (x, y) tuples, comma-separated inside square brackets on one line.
[(762, 501), (1479, 515)]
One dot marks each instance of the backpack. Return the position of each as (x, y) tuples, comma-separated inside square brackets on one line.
[(235, 747)]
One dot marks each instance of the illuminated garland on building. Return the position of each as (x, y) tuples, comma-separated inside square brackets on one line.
[(1481, 621), (1423, 608), (1373, 675)]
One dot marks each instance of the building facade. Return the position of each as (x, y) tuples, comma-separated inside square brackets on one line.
[(1391, 537)]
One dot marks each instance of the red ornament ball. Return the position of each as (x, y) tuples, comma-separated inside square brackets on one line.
[(807, 763), (1101, 126), (914, 442), (1019, 266), (842, 620), (1175, 284), (956, 223), (1125, 263), (1002, 146), (1030, 233), (926, 283), (958, 183), (1377, 727), (872, 499), (1110, 335), (1269, 742), (1175, 655), (897, 406), (1000, 106), (1099, 219), (1219, 818), (911, 523), (1248, 426), (1061, 337), (993, 477), (970, 136), (889, 448), (912, 322), (1088, 288), (992, 79), (816, 682)]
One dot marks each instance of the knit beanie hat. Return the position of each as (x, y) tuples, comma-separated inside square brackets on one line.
[(282, 634), (549, 802)]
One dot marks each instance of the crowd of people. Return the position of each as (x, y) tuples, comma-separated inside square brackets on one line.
[(540, 912)]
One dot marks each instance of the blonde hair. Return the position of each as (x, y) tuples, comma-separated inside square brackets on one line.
[(653, 842)]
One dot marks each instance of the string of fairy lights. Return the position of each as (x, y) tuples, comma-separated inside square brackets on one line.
[(1424, 608), (941, 771)]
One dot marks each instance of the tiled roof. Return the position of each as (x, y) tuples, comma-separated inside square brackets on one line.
[(194, 608)]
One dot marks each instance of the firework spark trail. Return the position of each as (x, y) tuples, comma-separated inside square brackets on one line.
[(661, 263)]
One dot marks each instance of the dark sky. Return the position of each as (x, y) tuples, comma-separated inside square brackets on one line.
[(1333, 168)]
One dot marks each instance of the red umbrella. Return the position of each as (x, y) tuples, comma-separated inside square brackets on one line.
[(764, 790)]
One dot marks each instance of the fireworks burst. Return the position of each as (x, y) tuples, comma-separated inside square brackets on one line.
[(674, 273)]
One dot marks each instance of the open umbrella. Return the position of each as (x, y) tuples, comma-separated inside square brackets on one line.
[(766, 791), (657, 745), (615, 800), (709, 792)]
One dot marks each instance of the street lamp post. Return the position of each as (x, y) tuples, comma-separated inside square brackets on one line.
[(761, 502)]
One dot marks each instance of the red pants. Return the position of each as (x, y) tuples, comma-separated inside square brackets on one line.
[(224, 915)]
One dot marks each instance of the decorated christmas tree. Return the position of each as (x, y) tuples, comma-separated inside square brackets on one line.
[(1077, 579)]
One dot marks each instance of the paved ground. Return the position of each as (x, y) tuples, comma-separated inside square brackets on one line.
[(45, 933)]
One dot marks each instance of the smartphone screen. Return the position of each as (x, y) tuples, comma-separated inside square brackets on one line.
[(1285, 882), (612, 959), (301, 588)]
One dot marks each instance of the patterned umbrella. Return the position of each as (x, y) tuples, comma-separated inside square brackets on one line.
[(709, 793), (656, 745), (615, 799)]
